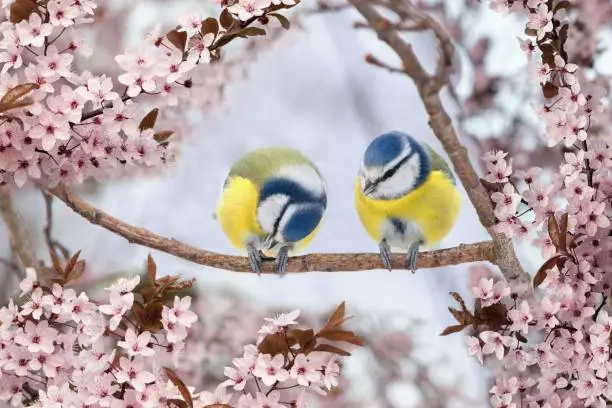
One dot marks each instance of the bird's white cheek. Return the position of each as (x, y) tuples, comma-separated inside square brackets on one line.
[(270, 210)]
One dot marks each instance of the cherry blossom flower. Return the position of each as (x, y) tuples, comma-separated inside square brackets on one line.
[(30, 282), (180, 312), (474, 348), (270, 369), (245, 9), (33, 31), (137, 344), (521, 317), (220, 396), (541, 21), (119, 305), (37, 337), (495, 342), (133, 371), (303, 371)]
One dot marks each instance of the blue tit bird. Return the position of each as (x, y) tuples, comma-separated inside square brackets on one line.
[(272, 204), (405, 195)]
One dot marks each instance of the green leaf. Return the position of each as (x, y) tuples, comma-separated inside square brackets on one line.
[(284, 21)]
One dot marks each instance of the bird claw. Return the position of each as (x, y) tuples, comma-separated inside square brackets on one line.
[(412, 256), (254, 258), (385, 254), (283, 259)]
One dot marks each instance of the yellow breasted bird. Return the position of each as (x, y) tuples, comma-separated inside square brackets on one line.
[(405, 195), (272, 203)]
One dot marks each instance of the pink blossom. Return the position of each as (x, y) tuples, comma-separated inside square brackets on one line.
[(133, 371), (474, 348), (119, 305), (520, 317), (498, 171), (180, 312), (33, 31), (270, 369), (37, 337), (220, 396), (495, 342), (136, 344), (541, 21), (246, 9), (303, 371), (34, 306)]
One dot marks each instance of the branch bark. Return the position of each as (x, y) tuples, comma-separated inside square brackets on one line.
[(429, 87), (19, 240), (481, 251)]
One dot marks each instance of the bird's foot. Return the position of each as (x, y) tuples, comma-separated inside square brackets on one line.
[(283, 259), (385, 254), (413, 255), (254, 258)]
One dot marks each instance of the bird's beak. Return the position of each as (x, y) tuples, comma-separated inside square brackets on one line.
[(368, 187)]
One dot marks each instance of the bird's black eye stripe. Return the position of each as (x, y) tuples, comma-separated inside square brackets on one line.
[(389, 173), (279, 218)]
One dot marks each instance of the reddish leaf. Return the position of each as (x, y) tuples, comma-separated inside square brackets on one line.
[(21, 10), (553, 230), (210, 25), (70, 265), (550, 90), (452, 329), (543, 271), (563, 232), (565, 4), (250, 32), (20, 104), (178, 39), (273, 344), (341, 335), (226, 19), (332, 349), (461, 316), (177, 402), (151, 269), (148, 122), (162, 136), (337, 317), (459, 300), (18, 92), (302, 337), (180, 385), (77, 271)]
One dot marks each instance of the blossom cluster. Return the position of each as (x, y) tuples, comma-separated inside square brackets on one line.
[(60, 125), (60, 348), (553, 343)]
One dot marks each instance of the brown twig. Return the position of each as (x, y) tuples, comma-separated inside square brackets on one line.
[(429, 87), (19, 240), (481, 251)]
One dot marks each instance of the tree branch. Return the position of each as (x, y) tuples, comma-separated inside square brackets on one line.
[(429, 87), (19, 240), (482, 251)]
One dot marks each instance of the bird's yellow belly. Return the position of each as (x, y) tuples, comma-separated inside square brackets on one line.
[(428, 213), (237, 212)]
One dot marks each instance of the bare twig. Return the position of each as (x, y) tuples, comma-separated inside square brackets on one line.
[(482, 251), (52, 245), (429, 87), (19, 240)]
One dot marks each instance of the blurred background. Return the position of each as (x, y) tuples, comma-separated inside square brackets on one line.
[(310, 88)]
